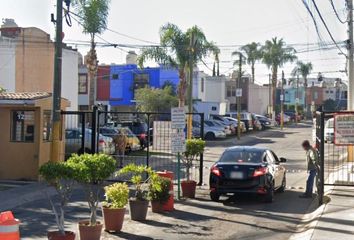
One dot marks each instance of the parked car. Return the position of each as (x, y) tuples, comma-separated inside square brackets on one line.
[(265, 122), (286, 118), (235, 121), (246, 118), (329, 130), (293, 116), (227, 128), (210, 133), (244, 169), (73, 137), (133, 143), (256, 123), (140, 129)]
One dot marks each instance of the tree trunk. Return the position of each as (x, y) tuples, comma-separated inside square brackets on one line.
[(274, 86), (253, 72), (91, 63), (182, 86), (305, 97)]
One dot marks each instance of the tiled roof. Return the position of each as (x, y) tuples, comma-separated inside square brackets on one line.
[(24, 95)]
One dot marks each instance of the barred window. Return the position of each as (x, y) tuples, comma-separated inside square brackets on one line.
[(22, 127)]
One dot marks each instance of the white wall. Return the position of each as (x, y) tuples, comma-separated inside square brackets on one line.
[(214, 89), (7, 64), (258, 99), (69, 88)]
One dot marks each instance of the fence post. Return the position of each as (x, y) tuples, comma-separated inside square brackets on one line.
[(201, 162), (148, 140), (83, 131), (94, 129), (322, 145)]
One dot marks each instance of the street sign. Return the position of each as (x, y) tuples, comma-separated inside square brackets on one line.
[(178, 118), (344, 129), (239, 92), (297, 100), (178, 142), (281, 97)]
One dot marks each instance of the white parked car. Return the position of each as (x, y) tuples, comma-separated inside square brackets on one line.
[(329, 130)]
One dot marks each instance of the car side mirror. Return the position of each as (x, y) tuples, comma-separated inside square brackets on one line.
[(282, 160)]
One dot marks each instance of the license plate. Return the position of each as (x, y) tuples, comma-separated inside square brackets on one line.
[(236, 175)]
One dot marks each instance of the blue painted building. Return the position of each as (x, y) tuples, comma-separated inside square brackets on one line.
[(125, 79)]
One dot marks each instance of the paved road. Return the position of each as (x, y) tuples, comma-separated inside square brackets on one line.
[(232, 218)]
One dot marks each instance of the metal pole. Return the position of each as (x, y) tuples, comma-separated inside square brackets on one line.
[(178, 175), (190, 88), (148, 141), (350, 56), (94, 130), (270, 96), (321, 190), (239, 98), (282, 102), (297, 101), (201, 163), (56, 105)]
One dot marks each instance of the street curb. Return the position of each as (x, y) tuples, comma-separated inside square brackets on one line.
[(309, 221)]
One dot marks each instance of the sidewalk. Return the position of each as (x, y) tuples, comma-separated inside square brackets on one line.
[(337, 219)]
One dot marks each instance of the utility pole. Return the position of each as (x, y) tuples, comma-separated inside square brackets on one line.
[(238, 97), (56, 118), (350, 100), (297, 100), (190, 89), (282, 102)]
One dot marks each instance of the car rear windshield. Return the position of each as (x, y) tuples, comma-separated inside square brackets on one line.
[(242, 156)]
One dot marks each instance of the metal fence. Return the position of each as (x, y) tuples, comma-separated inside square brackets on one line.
[(147, 138), (336, 162)]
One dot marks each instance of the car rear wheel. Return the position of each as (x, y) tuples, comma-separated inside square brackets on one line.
[(283, 185), (214, 196), (210, 136), (269, 197)]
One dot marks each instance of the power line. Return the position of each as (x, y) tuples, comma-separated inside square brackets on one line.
[(336, 13), (328, 31)]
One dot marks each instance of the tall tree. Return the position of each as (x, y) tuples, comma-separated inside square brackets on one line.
[(275, 54), (304, 69), (253, 53), (93, 16), (175, 50)]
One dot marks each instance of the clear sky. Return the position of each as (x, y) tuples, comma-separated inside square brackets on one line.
[(226, 22)]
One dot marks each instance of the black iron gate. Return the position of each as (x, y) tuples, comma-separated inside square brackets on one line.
[(336, 161), (148, 136)]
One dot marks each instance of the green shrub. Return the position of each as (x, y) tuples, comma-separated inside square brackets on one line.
[(159, 189), (116, 195), (194, 147), (91, 170)]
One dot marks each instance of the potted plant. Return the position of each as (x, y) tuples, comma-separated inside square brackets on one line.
[(139, 204), (90, 170), (159, 192), (113, 208), (194, 147), (59, 175)]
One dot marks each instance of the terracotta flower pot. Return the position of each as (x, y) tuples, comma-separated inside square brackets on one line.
[(88, 232), (55, 235), (188, 189), (138, 209), (156, 207), (113, 219)]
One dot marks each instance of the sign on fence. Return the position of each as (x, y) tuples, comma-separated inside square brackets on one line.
[(178, 142), (178, 118), (344, 129)]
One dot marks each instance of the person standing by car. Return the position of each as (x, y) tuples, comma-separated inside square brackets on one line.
[(312, 167)]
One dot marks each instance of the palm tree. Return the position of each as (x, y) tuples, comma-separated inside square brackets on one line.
[(304, 69), (175, 50), (253, 53), (275, 55), (93, 16)]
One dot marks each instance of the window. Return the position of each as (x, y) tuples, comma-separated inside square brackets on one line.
[(47, 125), (202, 85), (83, 84), (315, 95), (231, 91), (22, 126), (115, 76), (213, 108), (141, 80)]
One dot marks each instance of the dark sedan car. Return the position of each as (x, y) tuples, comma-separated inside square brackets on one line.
[(248, 170)]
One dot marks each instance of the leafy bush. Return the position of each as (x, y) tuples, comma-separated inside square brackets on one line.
[(194, 147), (116, 195), (59, 175), (137, 172), (159, 189), (91, 170)]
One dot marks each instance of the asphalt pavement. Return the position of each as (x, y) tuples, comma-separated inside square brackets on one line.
[(232, 218)]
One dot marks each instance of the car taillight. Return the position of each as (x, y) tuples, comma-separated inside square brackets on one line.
[(260, 172), (215, 170), (101, 141), (143, 135)]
